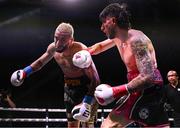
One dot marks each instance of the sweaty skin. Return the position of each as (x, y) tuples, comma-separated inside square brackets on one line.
[(137, 53), (64, 60), (62, 50)]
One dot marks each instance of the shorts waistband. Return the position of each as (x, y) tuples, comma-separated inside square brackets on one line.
[(75, 81), (72, 81), (157, 78)]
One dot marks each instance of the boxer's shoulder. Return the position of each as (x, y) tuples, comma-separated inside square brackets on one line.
[(79, 44)]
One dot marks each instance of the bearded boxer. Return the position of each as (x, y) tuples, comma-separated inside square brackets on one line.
[(142, 93), (80, 83)]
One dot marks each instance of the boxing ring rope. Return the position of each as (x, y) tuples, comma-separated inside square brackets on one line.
[(43, 109), (46, 119)]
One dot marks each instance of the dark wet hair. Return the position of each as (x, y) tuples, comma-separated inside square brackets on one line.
[(120, 12)]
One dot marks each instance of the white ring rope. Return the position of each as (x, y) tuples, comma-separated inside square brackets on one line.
[(35, 120), (32, 120), (44, 110), (45, 119), (23, 109)]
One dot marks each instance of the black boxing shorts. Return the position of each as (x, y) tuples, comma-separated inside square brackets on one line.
[(74, 91), (144, 107)]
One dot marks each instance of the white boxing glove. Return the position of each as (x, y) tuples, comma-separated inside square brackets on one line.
[(82, 112), (82, 59), (104, 94), (17, 78)]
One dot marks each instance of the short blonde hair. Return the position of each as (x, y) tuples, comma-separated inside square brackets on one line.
[(66, 28)]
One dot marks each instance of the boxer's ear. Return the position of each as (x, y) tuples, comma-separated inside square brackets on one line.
[(114, 20)]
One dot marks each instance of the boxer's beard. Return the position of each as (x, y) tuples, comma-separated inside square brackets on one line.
[(111, 33), (61, 49)]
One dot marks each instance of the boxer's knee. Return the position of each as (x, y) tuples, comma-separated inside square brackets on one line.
[(115, 121), (108, 123)]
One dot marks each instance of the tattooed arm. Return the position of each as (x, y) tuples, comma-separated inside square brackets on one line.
[(144, 64), (148, 75)]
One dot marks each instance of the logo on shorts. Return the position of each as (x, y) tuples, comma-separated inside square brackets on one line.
[(144, 113)]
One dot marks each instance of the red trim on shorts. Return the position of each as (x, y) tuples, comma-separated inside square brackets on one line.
[(127, 107)]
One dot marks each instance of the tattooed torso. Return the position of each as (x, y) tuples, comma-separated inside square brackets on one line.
[(137, 50), (138, 55)]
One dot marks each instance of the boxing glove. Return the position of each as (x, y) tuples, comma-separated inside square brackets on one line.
[(106, 94), (82, 112), (17, 78), (82, 59)]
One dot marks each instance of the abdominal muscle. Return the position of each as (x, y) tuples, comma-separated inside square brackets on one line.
[(72, 73), (127, 57)]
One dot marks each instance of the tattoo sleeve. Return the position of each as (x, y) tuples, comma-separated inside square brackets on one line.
[(144, 65)]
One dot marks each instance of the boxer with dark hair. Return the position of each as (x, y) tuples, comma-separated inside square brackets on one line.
[(80, 83), (142, 94)]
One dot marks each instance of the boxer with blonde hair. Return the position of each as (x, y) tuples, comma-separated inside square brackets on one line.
[(79, 83)]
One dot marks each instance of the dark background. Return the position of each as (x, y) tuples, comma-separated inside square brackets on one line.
[(27, 27)]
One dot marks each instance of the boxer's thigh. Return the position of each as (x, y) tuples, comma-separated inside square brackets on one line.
[(115, 121)]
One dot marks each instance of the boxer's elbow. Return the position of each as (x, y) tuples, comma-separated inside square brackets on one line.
[(150, 77), (141, 82), (147, 77), (147, 81)]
